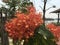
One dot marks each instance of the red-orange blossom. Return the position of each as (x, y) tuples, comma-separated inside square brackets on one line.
[(24, 25)]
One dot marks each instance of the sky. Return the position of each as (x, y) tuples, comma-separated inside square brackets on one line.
[(39, 3)]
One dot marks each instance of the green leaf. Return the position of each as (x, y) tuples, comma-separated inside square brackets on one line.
[(45, 32), (38, 39), (42, 37)]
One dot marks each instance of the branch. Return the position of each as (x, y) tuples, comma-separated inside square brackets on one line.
[(51, 7), (41, 7)]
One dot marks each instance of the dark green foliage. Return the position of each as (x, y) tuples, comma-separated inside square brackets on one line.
[(15, 5), (42, 37), (45, 32), (24, 5), (12, 7)]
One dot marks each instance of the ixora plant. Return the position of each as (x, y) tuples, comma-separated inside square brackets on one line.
[(29, 27)]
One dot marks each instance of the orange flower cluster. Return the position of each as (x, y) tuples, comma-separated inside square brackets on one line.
[(54, 29), (23, 26)]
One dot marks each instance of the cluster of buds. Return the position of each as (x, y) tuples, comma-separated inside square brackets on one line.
[(24, 25)]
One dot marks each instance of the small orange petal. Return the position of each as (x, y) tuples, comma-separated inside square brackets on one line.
[(36, 24), (24, 20), (27, 26)]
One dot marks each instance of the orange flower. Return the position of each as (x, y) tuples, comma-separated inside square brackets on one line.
[(54, 29), (24, 25)]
